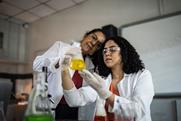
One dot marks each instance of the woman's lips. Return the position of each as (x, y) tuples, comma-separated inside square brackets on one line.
[(87, 47), (108, 59)]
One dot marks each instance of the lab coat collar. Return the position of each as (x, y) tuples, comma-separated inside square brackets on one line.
[(110, 77)]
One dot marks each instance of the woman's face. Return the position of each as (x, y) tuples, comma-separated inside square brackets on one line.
[(111, 54), (91, 42)]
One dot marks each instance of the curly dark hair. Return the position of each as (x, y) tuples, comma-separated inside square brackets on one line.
[(93, 31), (130, 58)]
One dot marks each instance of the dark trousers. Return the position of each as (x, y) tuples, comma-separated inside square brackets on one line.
[(63, 111)]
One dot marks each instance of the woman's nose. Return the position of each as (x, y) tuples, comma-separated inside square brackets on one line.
[(107, 52)]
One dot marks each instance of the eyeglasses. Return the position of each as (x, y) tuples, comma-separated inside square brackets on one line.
[(111, 50)]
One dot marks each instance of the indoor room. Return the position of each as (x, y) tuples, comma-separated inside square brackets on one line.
[(33, 29)]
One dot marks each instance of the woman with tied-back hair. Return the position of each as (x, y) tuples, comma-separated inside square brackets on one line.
[(53, 57)]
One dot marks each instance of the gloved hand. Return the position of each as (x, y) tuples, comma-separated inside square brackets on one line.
[(100, 109), (96, 82), (58, 61), (69, 54), (74, 54), (66, 62)]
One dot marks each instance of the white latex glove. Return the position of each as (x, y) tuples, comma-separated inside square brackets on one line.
[(96, 82), (74, 52), (100, 109), (66, 62)]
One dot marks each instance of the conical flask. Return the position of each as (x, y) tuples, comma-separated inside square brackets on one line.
[(77, 61), (38, 104)]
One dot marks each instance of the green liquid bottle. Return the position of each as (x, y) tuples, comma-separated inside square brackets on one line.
[(43, 117), (38, 104)]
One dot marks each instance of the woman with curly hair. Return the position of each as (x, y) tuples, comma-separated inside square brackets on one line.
[(128, 89)]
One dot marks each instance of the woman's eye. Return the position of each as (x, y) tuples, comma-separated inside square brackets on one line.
[(112, 49), (93, 37)]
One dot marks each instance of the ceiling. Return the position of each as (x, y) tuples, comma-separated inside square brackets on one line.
[(31, 10)]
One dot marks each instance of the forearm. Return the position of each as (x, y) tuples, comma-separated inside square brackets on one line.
[(67, 82), (80, 97)]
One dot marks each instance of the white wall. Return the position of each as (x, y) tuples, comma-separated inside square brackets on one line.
[(74, 22), (159, 44)]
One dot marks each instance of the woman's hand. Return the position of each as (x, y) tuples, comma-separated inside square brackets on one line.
[(96, 82), (67, 82), (66, 62)]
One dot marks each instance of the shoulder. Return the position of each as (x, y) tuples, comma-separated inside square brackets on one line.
[(140, 74), (143, 72), (144, 75)]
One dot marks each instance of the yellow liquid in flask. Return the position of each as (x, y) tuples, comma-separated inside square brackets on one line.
[(77, 64)]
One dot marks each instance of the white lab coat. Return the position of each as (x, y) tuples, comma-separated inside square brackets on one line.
[(134, 89), (54, 54)]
